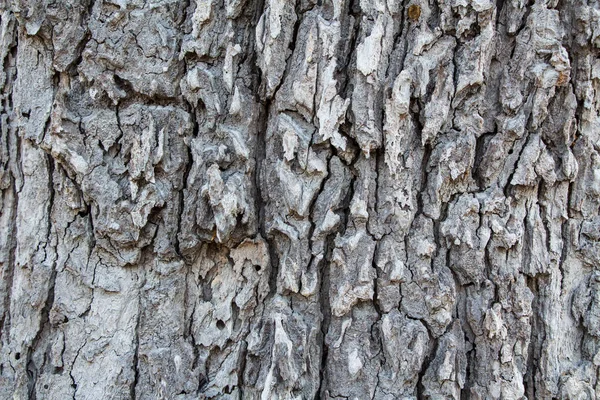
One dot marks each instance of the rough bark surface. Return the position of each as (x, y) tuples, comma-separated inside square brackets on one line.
[(277, 199)]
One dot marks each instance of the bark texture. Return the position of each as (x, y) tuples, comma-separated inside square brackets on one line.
[(248, 199)]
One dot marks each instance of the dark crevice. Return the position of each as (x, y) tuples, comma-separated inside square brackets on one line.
[(135, 361), (424, 173), (325, 309), (33, 370), (481, 145), (324, 269), (347, 50), (508, 187), (428, 359), (465, 393), (73, 382), (533, 353), (260, 198), (564, 230), (13, 142), (242, 368), (184, 188)]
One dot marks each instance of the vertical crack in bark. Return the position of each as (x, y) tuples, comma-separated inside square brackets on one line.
[(326, 317), (466, 390), (13, 147), (12, 243), (343, 74), (136, 343), (424, 174), (33, 370), (432, 351), (533, 353), (73, 381), (508, 193), (186, 174), (566, 246), (376, 324), (324, 269), (259, 199)]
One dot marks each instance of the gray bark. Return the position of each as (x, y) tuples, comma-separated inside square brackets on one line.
[(248, 199)]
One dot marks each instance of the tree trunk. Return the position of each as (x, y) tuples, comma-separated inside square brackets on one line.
[(248, 199)]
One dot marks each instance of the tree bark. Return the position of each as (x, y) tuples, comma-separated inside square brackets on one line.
[(319, 199)]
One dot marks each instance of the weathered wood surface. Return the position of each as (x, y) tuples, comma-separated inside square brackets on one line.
[(359, 199)]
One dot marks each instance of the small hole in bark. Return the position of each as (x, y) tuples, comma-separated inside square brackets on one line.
[(45, 386), (220, 325), (257, 268), (17, 356)]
